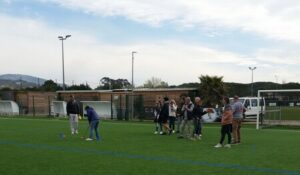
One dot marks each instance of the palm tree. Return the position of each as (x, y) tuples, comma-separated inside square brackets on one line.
[(212, 89)]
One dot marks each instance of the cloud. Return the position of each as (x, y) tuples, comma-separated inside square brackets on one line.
[(274, 19), (31, 47), (7, 1)]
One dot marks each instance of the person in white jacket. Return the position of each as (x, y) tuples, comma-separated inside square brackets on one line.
[(172, 115)]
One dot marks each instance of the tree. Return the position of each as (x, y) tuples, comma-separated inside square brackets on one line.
[(50, 85), (80, 87), (154, 82), (108, 83), (212, 89)]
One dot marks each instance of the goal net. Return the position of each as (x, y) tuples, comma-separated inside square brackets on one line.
[(59, 108), (104, 108), (282, 108)]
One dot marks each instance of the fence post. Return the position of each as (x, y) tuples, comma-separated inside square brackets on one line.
[(49, 106), (111, 107), (126, 107), (33, 106), (120, 108)]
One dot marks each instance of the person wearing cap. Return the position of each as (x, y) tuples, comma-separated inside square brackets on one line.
[(93, 119), (237, 109), (73, 111), (164, 116)]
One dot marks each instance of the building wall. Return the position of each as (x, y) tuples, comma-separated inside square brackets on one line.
[(38, 103)]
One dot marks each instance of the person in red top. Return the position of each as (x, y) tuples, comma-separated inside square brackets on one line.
[(226, 123)]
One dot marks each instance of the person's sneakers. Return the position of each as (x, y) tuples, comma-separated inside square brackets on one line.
[(72, 133), (76, 132), (160, 132), (227, 146), (218, 145), (192, 139), (155, 132), (234, 143), (173, 131), (88, 139)]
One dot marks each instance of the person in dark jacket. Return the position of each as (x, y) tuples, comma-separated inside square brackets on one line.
[(93, 119), (179, 115), (198, 112), (164, 115), (73, 111), (158, 124)]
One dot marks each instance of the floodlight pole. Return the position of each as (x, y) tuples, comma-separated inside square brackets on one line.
[(252, 69), (132, 82), (276, 77), (63, 60)]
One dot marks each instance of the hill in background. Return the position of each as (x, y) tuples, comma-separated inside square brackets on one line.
[(18, 81)]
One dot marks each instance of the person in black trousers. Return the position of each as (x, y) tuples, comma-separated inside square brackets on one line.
[(198, 112), (226, 123), (164, 115)]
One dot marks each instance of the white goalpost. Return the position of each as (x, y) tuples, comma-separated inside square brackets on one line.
[(59, 108), (104, 108), (9, 108), (282, 107)]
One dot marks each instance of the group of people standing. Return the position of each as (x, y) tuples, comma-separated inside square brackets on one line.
[(189, 119), (188, 115)]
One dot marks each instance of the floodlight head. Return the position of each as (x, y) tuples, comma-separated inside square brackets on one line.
[(60, 37), (134, 52), (252, 68), (67, 36)]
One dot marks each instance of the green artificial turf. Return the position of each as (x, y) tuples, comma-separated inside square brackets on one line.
[(33, 146)]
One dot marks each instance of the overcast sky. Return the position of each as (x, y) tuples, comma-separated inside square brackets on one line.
[(176, 40)]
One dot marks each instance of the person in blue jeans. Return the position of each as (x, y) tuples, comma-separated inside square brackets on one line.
[(93, 119)]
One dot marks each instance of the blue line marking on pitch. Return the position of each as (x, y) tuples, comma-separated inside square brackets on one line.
[(150, 158)]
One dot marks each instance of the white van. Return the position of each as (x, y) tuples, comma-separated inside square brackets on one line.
[(253, 105)]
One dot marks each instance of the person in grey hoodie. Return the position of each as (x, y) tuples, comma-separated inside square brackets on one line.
[(237, 109)]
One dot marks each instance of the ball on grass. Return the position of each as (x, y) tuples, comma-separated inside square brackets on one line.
[(62, 136)]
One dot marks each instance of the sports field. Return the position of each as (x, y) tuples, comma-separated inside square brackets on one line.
[(33, 146)]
